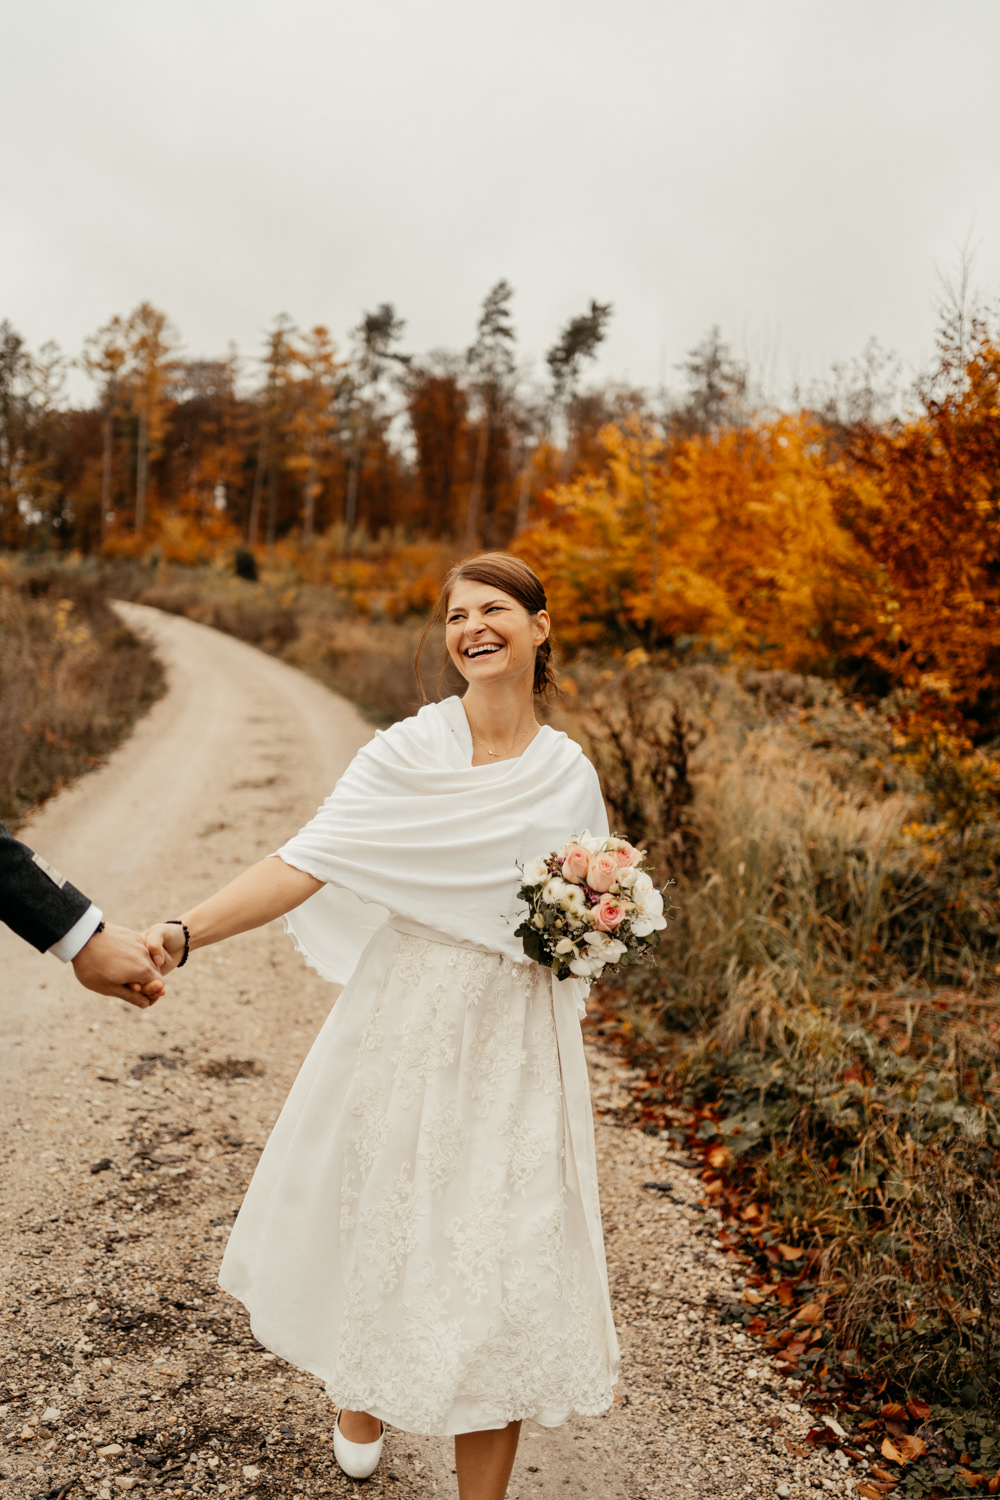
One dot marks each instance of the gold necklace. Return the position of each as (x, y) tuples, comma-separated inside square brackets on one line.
[(496, 753)]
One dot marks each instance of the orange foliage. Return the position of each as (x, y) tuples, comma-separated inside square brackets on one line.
[(176, 536), (731, 535), (925, 501), (392, 581)]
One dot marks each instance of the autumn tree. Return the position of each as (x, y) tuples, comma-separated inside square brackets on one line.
[(716, 385), (438, 406), (105, 354), (923, 498), (47, 374), (275, 407), (491, 363), (375, 355), (207, 438), (31, 427), (576, 346), (314, 420), (150, 341), (17, 507)]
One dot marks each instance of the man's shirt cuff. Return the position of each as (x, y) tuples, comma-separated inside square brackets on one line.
[(81, 932)]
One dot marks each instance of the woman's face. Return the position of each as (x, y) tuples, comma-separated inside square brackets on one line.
[(489, 635)]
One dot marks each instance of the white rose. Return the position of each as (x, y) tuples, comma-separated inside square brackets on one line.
[(592, 845), (535, 872)]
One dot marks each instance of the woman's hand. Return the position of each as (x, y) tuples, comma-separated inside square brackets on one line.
[(267, 890), (165, 943)]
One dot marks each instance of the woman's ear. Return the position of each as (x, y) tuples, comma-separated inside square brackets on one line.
[(543, 626)]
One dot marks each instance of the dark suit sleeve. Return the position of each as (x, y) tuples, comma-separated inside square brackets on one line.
[(36, 901)]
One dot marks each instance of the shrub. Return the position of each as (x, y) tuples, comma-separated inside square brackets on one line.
[(73, 679), (245, 564)]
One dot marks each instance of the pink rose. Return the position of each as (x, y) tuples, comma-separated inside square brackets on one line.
[(576, 862), (609, 914), (628, 856), (601, 872)]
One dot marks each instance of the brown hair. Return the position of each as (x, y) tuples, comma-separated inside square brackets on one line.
[(512, 576)]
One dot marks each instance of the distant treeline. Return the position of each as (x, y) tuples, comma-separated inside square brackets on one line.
[(303, 437), (308, 435)]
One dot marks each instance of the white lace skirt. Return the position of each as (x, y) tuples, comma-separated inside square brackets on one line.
[(423, 1231)]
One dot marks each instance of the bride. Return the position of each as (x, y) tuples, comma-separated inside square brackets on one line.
[(422, 1231)]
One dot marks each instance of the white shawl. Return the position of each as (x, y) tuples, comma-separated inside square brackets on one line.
[(414, 830)]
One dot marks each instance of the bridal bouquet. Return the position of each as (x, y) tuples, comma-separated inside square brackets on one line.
[(591, 905)]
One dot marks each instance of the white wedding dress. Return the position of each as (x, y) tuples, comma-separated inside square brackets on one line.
[(423, 1230)]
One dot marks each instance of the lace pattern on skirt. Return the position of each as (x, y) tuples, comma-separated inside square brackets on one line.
[(422, 1230)]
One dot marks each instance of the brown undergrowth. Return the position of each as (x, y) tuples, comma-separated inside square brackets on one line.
[(73, 680)]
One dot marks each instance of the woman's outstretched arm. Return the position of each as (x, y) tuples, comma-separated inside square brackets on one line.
[(265, 891)]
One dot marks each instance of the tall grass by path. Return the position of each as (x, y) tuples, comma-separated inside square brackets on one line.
[(73, 680)]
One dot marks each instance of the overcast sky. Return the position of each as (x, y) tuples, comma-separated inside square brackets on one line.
[(791, 170)]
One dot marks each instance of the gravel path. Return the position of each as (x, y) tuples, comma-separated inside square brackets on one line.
[(128, 1139)]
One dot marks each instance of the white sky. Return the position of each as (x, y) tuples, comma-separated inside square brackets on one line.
[(792, 170)]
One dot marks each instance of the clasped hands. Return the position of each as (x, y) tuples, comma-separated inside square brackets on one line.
[(129, 965)]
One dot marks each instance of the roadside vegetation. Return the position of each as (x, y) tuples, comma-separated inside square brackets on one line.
[(73, 680)]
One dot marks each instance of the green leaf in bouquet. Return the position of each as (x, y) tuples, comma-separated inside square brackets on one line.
[(534, 946)]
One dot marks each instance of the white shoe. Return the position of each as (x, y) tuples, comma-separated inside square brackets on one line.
[(358, 1460)]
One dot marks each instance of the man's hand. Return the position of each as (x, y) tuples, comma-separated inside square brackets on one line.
[(116, 962)]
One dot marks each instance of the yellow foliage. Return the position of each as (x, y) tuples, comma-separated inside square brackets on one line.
[(177, 536)]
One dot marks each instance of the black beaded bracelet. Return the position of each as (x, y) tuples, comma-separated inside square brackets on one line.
[(176, 922)]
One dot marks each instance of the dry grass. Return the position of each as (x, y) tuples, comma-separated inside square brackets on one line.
[(73, 679)]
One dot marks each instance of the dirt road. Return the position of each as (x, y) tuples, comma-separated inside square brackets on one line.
[(127, 1139)]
